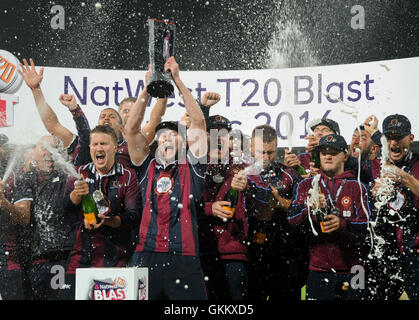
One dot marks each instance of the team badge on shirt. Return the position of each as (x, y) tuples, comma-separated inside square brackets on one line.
[(346, 203), (164, 184)]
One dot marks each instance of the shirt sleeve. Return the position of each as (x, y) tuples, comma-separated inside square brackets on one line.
[(257, 191), (132, 202), (142, 169), (297, 213), (82, 156)]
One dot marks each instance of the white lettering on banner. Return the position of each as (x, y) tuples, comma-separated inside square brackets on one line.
[(278, 97), (352, 87)]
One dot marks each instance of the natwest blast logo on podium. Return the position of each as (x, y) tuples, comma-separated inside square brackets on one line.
[(10, 82), (108, 289), (112, 284)]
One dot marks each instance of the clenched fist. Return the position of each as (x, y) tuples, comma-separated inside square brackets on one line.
[(68, 100), (210, 98)]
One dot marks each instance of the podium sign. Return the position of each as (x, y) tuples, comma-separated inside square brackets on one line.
[(112, 284)]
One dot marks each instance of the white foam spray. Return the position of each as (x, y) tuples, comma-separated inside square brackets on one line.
[(11, 164), (60, 162), (313, 199)]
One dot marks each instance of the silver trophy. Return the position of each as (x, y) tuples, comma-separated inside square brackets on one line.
[(160, 48)]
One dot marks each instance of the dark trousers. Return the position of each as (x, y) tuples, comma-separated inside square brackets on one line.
[(273, 275), (236, 275), (171, 276), (68, 292), (11, 284), (328, 286), (225, 279)]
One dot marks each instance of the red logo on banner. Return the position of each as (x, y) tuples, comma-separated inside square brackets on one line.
[(3, 113)]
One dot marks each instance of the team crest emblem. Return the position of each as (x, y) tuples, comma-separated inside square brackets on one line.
[(346, 202), (394, 123), (164, 184), (330, 139), (218, 118)]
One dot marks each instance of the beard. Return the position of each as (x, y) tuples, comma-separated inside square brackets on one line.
[(365, 154)]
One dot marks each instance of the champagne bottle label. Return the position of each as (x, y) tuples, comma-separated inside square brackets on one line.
[(90, 217), (259, 237), (232, 210), (321, 226)]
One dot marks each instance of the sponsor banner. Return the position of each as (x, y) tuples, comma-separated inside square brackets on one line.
[(112, 284), (283, 98)]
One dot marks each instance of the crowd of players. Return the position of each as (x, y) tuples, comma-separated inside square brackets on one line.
[(339, 219)]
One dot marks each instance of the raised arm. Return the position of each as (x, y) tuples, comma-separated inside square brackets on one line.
[(82, 154), (149, 129), (197, 138), (49, 118), (138, 144)]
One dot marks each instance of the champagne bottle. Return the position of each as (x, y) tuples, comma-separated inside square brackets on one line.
[(321, 213), (315, 157), (301, 170), (89, 209), (259, 234), (231, 196)]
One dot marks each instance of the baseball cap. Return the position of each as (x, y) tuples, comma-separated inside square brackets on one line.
[(333, 125), (333, 141), (396, 125), (218, 122), (172, 125)]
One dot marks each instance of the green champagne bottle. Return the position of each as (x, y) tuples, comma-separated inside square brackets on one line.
[(89, 209), (231, 196), (315, 157), (301, 170)]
